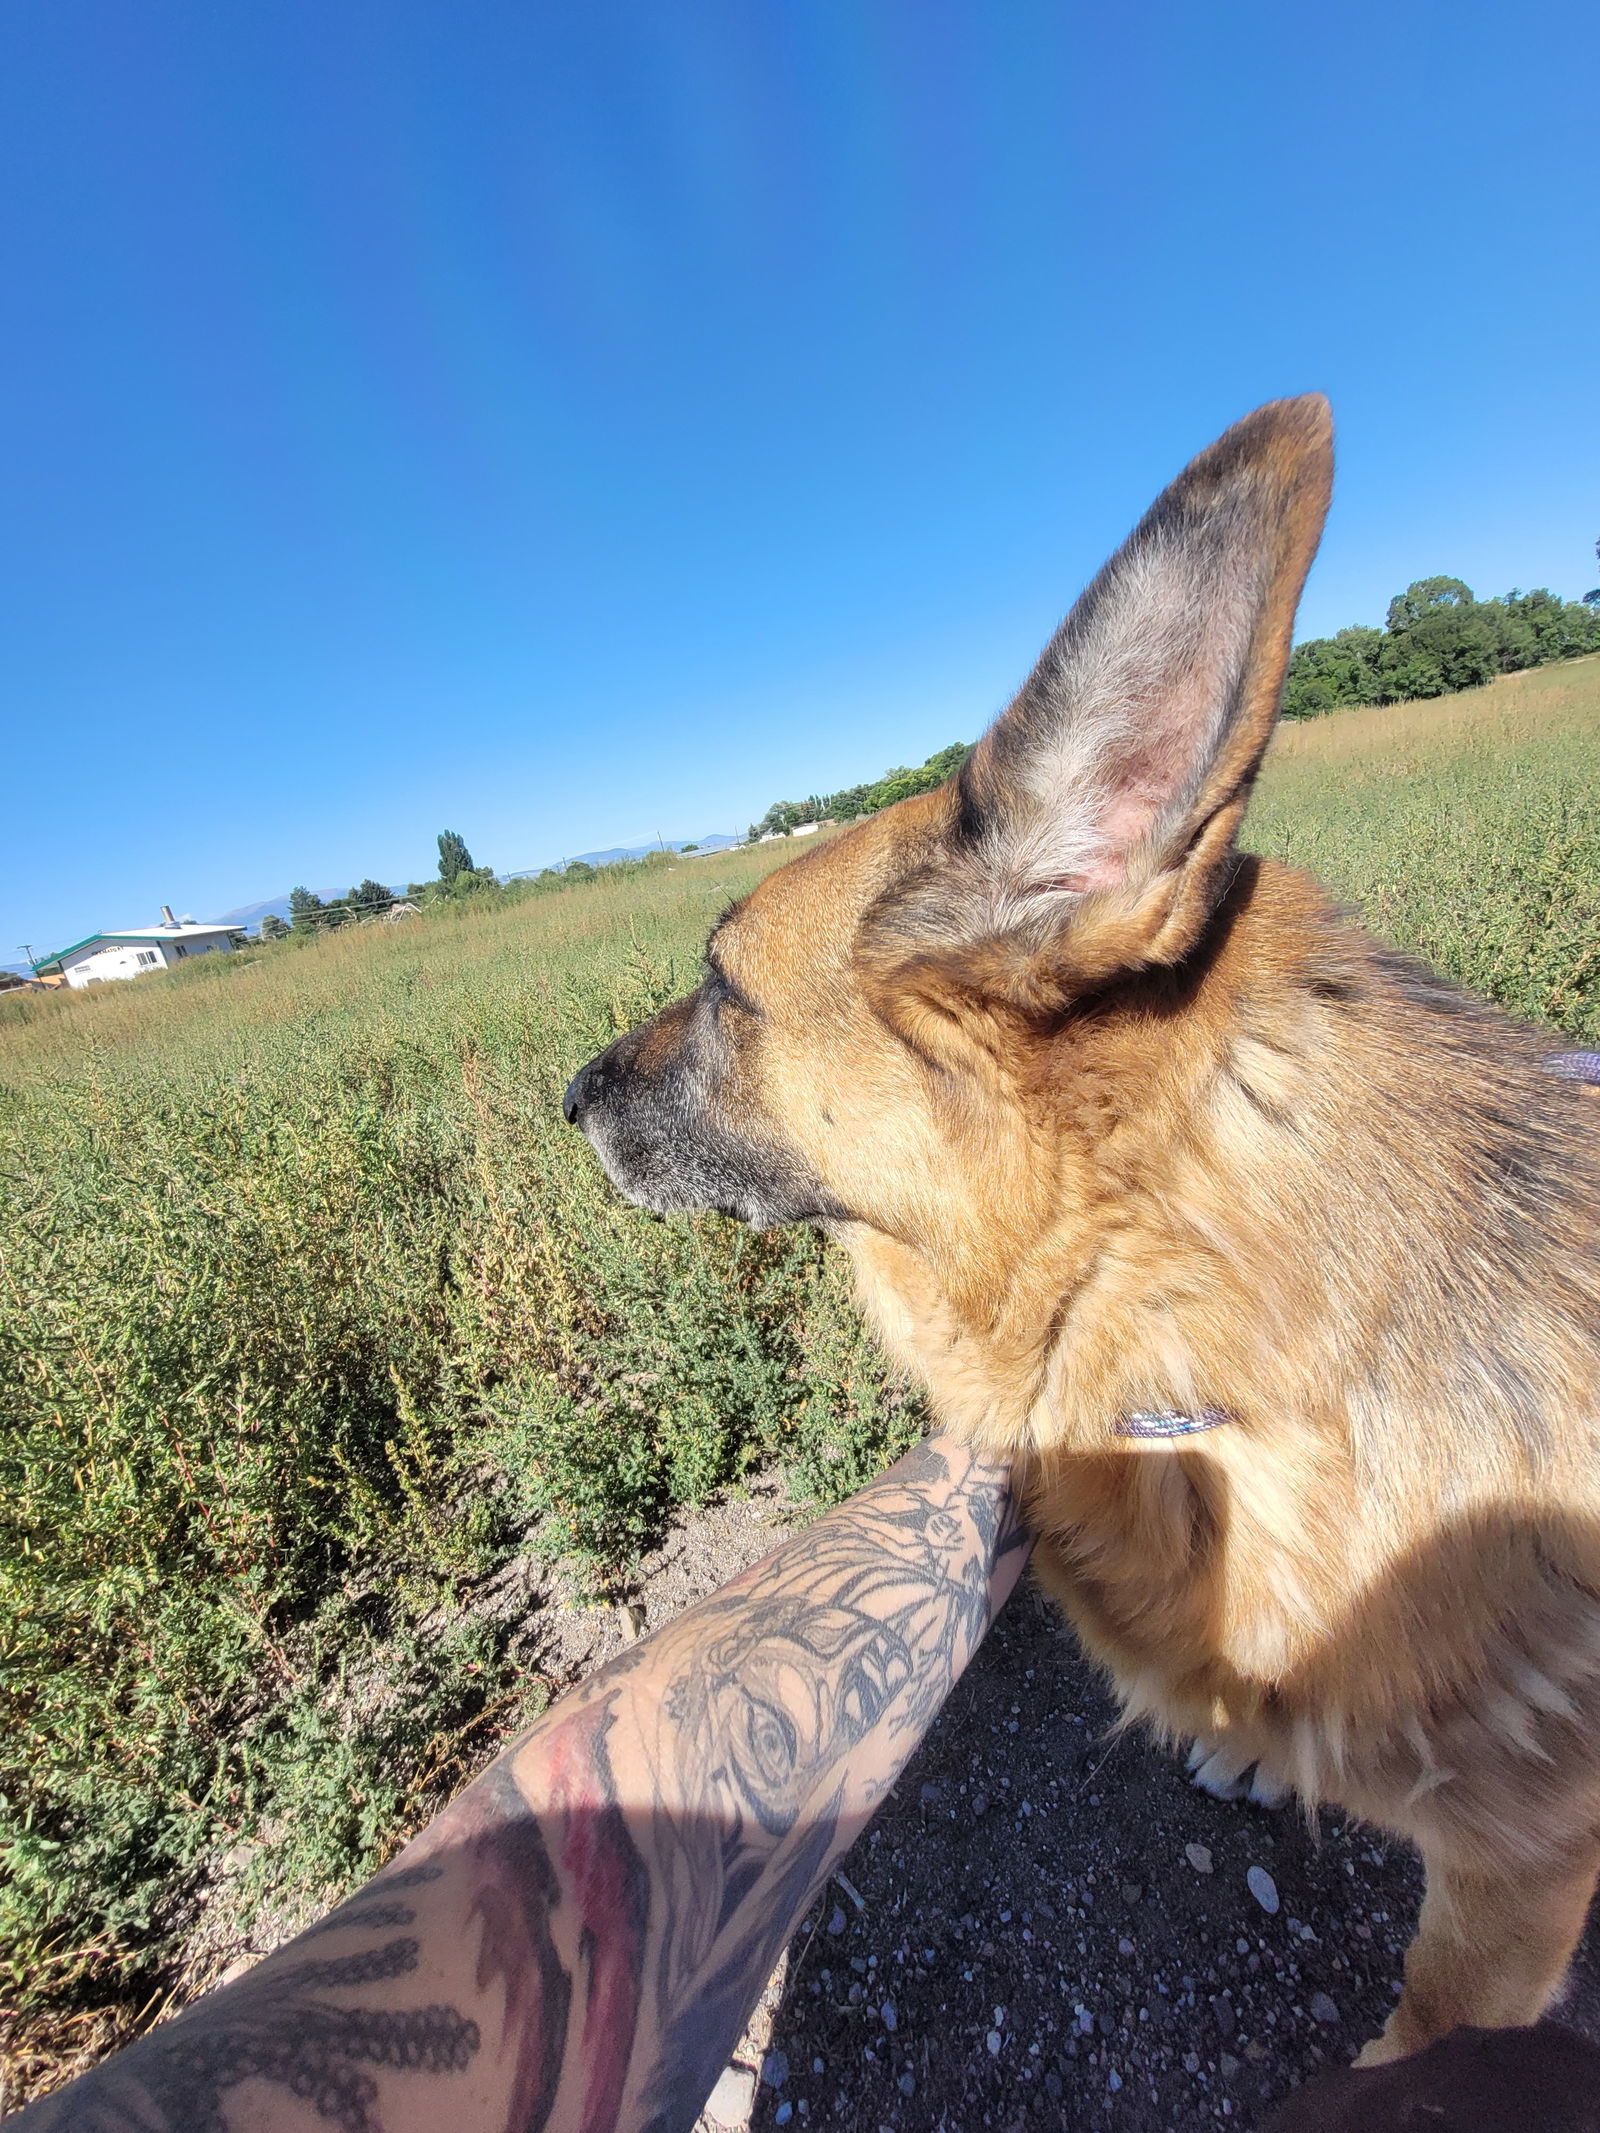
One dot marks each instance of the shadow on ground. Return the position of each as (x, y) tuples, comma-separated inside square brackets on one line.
[(1055, 1929)]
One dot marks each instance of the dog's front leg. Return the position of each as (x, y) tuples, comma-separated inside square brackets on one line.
[(1491, 1949)]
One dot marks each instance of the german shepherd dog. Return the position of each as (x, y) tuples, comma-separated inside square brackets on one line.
[(1268, 1258)]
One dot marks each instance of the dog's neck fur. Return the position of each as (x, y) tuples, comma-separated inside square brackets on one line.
[(1302, 1180)]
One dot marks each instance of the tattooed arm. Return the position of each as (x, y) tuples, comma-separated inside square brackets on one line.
[(575, 1943)]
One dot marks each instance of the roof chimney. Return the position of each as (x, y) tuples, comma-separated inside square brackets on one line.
[(167, 918)]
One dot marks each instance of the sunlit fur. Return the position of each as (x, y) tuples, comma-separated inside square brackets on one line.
[(1176, 1135)]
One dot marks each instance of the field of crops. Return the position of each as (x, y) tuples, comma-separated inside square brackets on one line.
[(316, 1314)]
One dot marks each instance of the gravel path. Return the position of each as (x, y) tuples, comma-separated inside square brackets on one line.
[(1048, 1926)]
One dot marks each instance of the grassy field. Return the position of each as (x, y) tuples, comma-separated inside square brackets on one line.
[(316, 1315)]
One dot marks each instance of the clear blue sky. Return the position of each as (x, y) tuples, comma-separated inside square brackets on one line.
[(563, 422)]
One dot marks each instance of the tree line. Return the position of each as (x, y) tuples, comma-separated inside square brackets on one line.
[(1438, 637), (309, 913), (784, 817), (458, 878)]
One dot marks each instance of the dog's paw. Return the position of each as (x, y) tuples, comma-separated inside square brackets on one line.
[(1267, 1789), (1379, 2051), (1227, 1775), (1219, 1770)]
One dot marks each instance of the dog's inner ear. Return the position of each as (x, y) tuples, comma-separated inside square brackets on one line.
[(1095, 816)]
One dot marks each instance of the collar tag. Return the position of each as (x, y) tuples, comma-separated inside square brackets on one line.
[(1169, 1422)]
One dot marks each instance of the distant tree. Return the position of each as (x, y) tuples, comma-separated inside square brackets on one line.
[(454, 858), (305, 910), (273, 928), (1439, 639), (1592, 599), (691, 848), (1534, 628), (368, 898), (1424, 597), (1325, 672), (579, 870), (784, 817)]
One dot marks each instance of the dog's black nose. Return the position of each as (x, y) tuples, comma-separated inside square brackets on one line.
[(580, 1093)]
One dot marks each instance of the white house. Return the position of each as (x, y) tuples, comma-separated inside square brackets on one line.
[(137, 951)]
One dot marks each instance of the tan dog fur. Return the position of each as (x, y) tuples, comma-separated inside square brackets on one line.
[(1157, 1127)]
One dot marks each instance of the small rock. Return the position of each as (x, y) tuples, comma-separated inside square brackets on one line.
[(818, 2066), (782, 2115), (931, 1795), (1113, 2081), (1191, 2062), (775, 2069), (733, 2098), (1227, 2066), (980, 1803), (1256, 2053), (1052, 2085), (1131, 1892), (630, 1620), (891, 2018), (907, 2084), (1124, 1946), (993, 2042), (836, 1920), (1225, 2018), (1323, 2009), (235, 1860), (1198, 1857), (1263, 1888)]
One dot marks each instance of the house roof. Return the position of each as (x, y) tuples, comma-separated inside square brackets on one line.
[(133, 935)]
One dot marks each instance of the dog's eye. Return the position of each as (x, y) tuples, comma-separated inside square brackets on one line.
[(721, 991)]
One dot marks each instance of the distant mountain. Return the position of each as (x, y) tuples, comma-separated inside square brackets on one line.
[(714, 841)]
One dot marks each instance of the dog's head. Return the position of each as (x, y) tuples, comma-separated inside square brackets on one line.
[(876, 1037)]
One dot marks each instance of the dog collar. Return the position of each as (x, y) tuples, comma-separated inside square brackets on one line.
[(1574, 1066), (1169, 1422)]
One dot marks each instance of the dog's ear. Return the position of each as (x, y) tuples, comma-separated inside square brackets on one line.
[(1092, 826)]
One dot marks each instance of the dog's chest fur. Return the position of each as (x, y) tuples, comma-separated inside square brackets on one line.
[(1353, 1213)]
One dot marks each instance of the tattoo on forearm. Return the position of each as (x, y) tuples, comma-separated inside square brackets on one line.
[(276, 2026), (630, 1871)]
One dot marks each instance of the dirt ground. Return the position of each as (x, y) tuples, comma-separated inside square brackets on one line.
[(1048, 1926)]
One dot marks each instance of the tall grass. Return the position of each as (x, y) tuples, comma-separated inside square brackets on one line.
[(317, 1320), (1466, 829), (316, 1314)]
